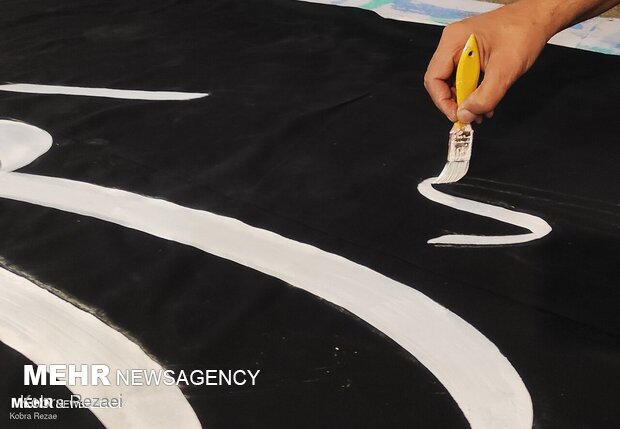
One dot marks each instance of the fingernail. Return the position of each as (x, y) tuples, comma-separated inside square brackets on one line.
[(465, 116)]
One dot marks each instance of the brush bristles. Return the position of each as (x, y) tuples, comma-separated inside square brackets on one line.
[(452, 172)]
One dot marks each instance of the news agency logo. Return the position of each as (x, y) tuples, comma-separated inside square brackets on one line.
[(50, 404), (66, 375), (29, 404), (43, 407), (100, 375), (74, 401)]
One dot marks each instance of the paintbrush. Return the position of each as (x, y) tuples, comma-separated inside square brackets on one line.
[(462, 135)]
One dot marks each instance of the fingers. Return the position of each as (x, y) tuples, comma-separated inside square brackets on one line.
[(440, 69), (500, 73), (487, 96), (442, 97), (466, 117)]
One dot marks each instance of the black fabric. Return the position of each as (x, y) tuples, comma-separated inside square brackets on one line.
[(318, 128)]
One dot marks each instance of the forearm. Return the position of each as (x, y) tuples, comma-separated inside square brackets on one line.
[(510, 39), (556, 15), (599, 7)]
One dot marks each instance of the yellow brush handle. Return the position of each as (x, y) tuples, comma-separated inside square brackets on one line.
[(468, 70)]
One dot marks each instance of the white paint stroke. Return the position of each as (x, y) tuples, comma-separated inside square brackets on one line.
[(127, 94), (48, 330), (481, 380), (538, 227), (21, 143)]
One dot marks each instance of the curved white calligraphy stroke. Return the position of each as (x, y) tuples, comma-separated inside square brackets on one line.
[(538, 227), (482, 382), (46, 329), (127, 94), (21, 143)]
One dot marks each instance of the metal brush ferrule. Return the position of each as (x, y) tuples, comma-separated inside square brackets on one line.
[(460, 144)]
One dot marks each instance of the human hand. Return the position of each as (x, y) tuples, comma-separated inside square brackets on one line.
[(509, 41)]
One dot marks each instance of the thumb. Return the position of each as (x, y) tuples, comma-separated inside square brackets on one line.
[(487, 96)]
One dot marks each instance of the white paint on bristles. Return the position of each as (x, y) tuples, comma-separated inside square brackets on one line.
[(481, 380), (48, 330), (127, 94), (538, 227)]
